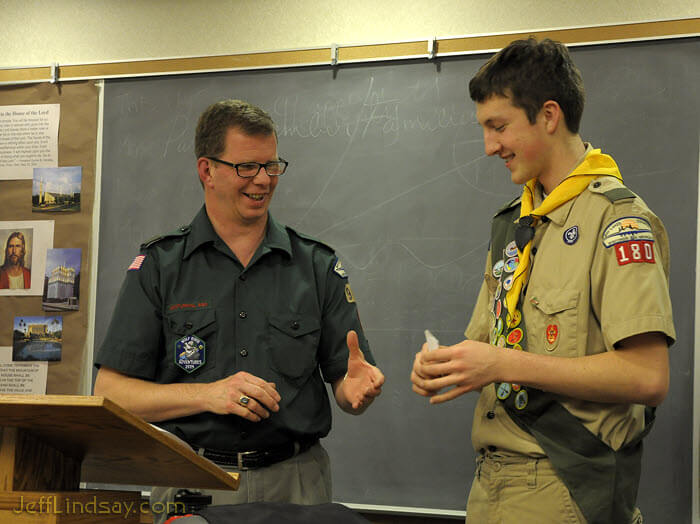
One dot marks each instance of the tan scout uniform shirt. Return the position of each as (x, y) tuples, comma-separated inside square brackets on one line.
[(593, 295)]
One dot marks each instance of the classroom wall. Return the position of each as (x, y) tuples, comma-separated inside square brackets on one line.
[(39, 32)]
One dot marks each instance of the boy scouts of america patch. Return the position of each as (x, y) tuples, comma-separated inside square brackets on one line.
[(136, 264), (571, 235), (339, 270), (190, 353)]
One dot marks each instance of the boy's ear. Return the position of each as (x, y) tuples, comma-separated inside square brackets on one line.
[(553, 115)]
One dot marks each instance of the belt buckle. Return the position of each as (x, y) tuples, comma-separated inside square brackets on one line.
[(240, 455)]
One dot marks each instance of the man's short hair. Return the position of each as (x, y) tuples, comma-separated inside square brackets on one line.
[(530, 73), (16, 234), (210, 136)]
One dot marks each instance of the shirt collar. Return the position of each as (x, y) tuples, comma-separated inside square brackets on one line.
[(202, 232)]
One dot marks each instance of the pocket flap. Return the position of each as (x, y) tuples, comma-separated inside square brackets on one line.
[(553, 301), (191, 322), (295, 325)]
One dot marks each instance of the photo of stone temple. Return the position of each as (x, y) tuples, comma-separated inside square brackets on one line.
[(62, 280)]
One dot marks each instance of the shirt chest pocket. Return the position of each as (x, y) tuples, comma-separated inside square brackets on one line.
[(293, 344), (190, 341), (552, 322)]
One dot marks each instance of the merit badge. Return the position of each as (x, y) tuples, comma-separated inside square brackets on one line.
[(498, 268), (521, 400), (515, 336), (339, 270), (503, 391), (571, 235), (517, 347), (514, 319), (499, 308), (136, 264), (511, 249), (190, 353), (516, 387), (626, 229), (348, 294), (499, 289), (508, 282), (511, 264), (501, 342), (551, 337)]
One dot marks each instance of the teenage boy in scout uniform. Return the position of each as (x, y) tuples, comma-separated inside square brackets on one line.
[(568, 341), (225, 330)]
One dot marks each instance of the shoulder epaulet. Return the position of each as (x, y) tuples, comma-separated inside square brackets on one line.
[(179, 232), (508, 206), (611, 188), (307, 237)]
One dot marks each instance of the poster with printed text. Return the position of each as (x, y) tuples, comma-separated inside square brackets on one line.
[(28, 139)]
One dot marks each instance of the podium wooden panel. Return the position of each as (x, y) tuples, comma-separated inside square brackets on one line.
[(50, 443)]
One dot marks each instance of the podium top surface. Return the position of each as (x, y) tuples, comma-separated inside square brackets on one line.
[(115, 446)]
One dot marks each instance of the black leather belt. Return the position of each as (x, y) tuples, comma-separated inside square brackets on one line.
[(257, 458)]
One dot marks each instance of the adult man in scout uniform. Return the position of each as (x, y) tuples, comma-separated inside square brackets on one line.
[(569, 337), (225, 330)]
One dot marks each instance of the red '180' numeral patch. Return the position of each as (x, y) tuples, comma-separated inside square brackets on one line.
[(635, 251)]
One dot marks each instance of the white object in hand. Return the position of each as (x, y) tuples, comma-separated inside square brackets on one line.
[(431, 340)]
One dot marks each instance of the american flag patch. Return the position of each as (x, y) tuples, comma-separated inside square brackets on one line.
[(136, 264)]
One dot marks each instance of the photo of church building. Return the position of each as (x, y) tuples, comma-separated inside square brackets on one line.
[(62, 280), (56, 189)]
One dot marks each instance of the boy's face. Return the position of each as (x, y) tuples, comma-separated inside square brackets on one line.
[(509, 134)]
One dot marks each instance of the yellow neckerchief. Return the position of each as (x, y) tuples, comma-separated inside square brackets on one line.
[(594, 165)]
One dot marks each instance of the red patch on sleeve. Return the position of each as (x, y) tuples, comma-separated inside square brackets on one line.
[(634, 251)]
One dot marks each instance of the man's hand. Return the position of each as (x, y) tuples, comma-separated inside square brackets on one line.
[(468, 366), (362, 382), (224, 396)]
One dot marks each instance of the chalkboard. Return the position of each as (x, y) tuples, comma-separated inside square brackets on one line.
[(387, 165)]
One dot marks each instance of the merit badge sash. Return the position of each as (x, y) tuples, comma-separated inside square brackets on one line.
[(507, 329)]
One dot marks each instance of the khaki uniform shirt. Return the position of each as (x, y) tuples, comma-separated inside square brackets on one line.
[(596, 291)]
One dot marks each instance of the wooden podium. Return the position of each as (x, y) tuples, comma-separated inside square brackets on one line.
[(50, 443)]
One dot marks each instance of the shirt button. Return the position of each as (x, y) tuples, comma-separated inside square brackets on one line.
[(492, 448), (545, 219), (243, 314), (596, 184), (242, 277), (188, 325), (490, 415), (295, 325), (534, 250), (244, 352)]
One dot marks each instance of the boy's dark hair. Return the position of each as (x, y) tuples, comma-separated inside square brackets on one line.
[(530, 73), (214, 123)]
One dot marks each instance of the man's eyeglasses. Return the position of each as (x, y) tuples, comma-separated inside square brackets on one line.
[(251, 169)]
